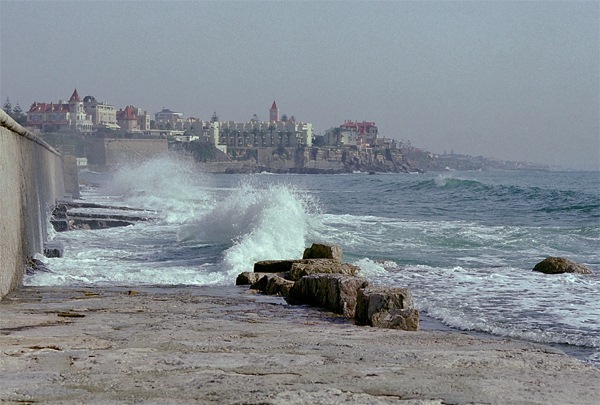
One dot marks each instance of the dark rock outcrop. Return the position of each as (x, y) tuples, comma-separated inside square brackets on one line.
[(386, 307), (558, 265), (321, 279), (323, 251), (54, 249), (336, 292), (274, 266), (247, 278)]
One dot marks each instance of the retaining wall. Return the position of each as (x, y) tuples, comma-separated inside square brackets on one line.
[(31, 180)]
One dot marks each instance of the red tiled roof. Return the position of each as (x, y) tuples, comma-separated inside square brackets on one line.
[(48, 107), (274, 106), (127, 114)]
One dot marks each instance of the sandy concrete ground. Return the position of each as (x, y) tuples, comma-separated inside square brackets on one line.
[(226, 345)]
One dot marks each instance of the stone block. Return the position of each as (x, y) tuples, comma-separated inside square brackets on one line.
[(335, 292), (306, 267), (323, 251), (272, 284), (386, 307), (273, 266)]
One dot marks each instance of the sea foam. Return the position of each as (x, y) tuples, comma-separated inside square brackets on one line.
[(256, 222)]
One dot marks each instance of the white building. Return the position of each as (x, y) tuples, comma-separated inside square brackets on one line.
[(103, 115)]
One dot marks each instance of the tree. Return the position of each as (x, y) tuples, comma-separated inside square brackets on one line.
[(337, 131), (18, 115), (284, 117), (7, 107)]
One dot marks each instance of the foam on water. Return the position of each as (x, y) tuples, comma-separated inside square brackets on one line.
[(256, 222), (169, 185), (503, 301), (463, 243)]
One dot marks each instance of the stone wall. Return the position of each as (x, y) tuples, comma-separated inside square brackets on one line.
[(31, 180), (118, 151)]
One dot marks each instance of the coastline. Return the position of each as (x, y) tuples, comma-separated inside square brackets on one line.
[(227, 345)]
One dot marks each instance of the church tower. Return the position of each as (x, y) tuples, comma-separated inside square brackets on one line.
[(274, 113)]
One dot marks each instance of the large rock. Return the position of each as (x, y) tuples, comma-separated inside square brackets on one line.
[(386, 307), (247, 278), (306, 267), (323, 251), (273, 284), (274, 266), (558, 265), (335, 292)]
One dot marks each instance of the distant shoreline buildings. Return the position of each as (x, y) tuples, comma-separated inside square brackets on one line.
[(88, 115), (84, 116)]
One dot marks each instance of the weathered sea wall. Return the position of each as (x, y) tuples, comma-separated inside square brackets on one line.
[(31, 180)]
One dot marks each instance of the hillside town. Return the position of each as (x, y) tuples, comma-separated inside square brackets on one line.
[(101, 136)]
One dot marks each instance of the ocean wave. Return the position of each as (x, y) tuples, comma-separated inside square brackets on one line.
[(256, 222), (171, 186)]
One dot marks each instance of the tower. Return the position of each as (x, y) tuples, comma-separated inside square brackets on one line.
[(274, 113)]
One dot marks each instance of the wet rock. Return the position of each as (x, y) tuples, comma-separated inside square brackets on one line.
[(558, 265), (247, 278), (272, 284), (60, 212), (386, 307), (273, 266), (303, 268), (60, 225), (335, 292), (54, 249), (323, 251)]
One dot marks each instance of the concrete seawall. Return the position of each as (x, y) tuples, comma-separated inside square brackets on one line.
[(31, 180)]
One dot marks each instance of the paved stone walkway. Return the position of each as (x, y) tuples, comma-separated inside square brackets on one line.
[(226, 345)]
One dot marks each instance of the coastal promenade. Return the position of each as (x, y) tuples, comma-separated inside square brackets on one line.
[(227, 345)]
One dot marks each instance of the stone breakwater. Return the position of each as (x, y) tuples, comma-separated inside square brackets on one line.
[(32, 178), (321, 279)]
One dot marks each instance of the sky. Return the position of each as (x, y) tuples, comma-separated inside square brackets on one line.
[(503, 79)]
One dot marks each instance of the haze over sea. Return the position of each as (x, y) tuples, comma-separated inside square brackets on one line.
[(464, 243)]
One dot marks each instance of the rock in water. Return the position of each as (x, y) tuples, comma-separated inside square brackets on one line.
[(323, 251), (305, 267), (386, 307), (335, 292), (558, 265)]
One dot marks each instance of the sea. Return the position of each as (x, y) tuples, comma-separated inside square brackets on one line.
[(463, 242)]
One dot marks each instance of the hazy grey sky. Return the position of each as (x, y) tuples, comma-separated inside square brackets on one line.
[(507, 79)]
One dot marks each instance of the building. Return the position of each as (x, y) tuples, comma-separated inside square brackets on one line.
[(103, 115), (69, 116), (133, 119), (169, 118), (274, 113), (264, 134), (353, 133)]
